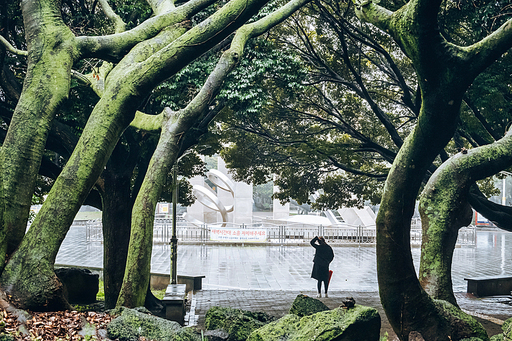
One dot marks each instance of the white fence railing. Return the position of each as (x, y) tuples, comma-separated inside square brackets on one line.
[(281, 234)]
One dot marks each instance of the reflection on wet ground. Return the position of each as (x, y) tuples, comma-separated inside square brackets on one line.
[(289, 267)]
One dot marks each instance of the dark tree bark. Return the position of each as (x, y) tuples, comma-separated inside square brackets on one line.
[(116, 215), (500, 215)]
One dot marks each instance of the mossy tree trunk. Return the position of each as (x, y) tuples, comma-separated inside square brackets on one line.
[(444, 73), (444, 209), (51, 53), (174, 127), (29, 277)]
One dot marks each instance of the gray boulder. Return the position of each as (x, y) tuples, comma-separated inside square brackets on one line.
[(216, 335), (357, 323), (80, 285)]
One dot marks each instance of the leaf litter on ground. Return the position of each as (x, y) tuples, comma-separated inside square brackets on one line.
[(65, 325)]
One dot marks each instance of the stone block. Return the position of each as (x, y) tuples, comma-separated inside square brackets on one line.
[(174, 302), (80, 285), (489, 285)]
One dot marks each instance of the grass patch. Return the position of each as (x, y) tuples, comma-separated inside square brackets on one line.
[(100, 296), (88, 215), (159, 293)]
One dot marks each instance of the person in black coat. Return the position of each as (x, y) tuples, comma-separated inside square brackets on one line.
[(323, 257)]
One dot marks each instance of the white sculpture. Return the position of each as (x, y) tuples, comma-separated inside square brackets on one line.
[(208, 197)]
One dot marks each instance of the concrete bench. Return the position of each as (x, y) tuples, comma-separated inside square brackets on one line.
[(160, 281), (193, 283), (489, 285), (175, 301)]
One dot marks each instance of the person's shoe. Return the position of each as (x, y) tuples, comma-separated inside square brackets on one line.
[(318, 295), (326, 295)]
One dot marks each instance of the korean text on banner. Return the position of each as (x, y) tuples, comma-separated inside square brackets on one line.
[(238, 235)]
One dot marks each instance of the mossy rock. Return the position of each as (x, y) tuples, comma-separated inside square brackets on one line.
[(507, 329), (358, 323), (282, 329), (237, 323), (462, 325), (187, 334), (131, 325), (304, 305)]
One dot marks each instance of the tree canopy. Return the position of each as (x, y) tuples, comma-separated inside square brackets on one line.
[(351, 98)]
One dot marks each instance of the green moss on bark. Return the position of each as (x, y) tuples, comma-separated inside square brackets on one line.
[(462, 325)]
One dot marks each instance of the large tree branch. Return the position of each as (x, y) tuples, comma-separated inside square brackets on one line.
[(370, 12), (119, 24), (161, 6), (500, 215), (113, 47), (483, 53), (147, 122), (444, 209), (11, 48)]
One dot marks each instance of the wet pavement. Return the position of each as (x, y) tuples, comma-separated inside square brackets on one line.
[(268, 278)]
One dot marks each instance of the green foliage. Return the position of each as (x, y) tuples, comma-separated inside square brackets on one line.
[(385, 337), (467, 22), (338, 189), (490, 187), (313, 124), (321, 132), (87, 17), (507, 328)]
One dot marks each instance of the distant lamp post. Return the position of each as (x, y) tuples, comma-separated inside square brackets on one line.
[(174, 240)]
